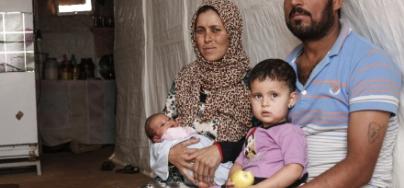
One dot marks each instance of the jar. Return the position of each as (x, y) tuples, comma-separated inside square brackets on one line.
[(51, 69)]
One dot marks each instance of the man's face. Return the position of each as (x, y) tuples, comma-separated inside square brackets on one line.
[(309, 20)]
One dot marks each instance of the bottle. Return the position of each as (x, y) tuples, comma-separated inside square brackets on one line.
[(51, 69), (66, 69), (90, 69), (75, 71), (86, 69)]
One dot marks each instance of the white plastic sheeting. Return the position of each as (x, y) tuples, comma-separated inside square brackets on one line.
[(129, 59), (161, 46)]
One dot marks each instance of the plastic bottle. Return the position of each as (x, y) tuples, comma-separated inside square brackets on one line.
[(76, 70)]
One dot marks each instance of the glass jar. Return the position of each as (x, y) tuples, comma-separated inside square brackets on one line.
[(51, 69)]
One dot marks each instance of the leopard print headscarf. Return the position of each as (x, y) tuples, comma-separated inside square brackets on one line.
[(227, 101)]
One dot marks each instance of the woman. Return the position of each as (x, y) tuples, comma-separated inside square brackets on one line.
[(210, 94)]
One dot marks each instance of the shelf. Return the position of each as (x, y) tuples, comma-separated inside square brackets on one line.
[(102, 29)]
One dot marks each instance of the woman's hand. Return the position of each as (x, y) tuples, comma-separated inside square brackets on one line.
[(206, 162), (180, 156)]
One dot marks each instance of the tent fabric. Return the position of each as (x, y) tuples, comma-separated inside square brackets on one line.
[(129, 64), (153, 43)]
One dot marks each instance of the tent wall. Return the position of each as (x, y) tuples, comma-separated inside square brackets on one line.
[(129, 64), (153, 44)]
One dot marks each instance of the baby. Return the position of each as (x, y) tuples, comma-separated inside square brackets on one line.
[(164, 133)]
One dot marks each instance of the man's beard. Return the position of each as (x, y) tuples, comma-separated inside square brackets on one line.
[(316, 30)]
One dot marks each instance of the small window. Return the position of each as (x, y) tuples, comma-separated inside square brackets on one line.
[(69, 7)]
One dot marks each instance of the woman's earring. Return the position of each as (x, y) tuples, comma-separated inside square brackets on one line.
[(290, 106)]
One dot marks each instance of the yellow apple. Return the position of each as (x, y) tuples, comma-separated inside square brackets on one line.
[(242, 179)]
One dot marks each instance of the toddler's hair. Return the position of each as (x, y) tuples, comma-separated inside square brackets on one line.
[(274, 69)]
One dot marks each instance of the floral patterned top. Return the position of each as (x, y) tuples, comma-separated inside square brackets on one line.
[(206, 128)]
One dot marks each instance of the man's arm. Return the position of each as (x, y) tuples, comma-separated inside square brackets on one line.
[(366, 133), (285, 177)]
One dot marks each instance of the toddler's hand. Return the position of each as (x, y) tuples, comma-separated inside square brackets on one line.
[(229, 184)]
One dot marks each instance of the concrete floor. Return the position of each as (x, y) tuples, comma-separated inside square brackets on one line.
[(68, 170)]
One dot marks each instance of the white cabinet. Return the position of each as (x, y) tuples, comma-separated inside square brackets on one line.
[(18, 125), (18, 109)]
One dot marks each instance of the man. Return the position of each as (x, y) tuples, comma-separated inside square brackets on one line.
[(349, 94)]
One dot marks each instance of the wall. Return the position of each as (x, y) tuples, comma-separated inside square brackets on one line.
[(64, 34), (15, 5)]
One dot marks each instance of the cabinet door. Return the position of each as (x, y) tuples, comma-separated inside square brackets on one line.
[(18, 123)]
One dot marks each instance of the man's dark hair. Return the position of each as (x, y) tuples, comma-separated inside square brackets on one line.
[(274, 69), (149, 131)]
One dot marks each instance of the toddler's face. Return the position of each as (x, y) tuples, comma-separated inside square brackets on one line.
[(161, 123), (270, 100)]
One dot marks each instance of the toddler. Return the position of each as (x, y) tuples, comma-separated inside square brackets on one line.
[(275, 151)]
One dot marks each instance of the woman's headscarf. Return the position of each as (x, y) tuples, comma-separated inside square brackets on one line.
[(228, 100)]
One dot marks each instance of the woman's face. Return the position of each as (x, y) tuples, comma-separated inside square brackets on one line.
[(211, 36)]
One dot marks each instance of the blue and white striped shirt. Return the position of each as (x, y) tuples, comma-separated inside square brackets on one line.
[(355, 75)]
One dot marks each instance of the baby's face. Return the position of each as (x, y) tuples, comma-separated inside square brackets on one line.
[(161, 123)]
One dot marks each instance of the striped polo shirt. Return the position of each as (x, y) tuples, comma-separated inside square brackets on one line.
[(355, 75)]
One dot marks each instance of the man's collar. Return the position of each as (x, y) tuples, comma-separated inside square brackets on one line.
[(344, 33)]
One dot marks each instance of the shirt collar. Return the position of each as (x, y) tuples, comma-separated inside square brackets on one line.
[(274, 125), (344, 33)]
